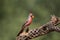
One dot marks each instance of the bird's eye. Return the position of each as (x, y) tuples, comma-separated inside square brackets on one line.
[(31, 16)]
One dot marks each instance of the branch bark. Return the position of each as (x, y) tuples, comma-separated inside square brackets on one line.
[(42, 30)]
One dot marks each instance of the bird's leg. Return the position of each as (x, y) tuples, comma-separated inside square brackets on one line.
[(27, 29)]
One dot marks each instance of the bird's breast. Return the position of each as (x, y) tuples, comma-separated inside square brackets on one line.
[(29, 21)]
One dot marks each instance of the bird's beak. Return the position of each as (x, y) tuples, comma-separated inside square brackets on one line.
[(32, 16)]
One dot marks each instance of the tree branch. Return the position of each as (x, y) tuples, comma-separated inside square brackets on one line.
[(42, 30)]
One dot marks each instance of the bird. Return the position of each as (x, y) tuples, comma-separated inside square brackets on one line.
[(26, 24)]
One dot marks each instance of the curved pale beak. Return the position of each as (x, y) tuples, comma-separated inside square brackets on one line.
[(32, 16)]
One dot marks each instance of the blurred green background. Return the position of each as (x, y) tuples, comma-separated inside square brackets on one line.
[(13, 14)]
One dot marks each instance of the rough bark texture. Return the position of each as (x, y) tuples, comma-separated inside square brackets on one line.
[(42, 30)]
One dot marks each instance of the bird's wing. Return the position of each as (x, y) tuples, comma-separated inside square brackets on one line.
[(25, 23), (22, 29)]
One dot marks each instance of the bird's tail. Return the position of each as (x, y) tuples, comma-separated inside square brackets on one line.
[(21, 31)]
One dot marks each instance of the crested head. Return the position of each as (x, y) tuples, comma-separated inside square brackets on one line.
[(31, 15)]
